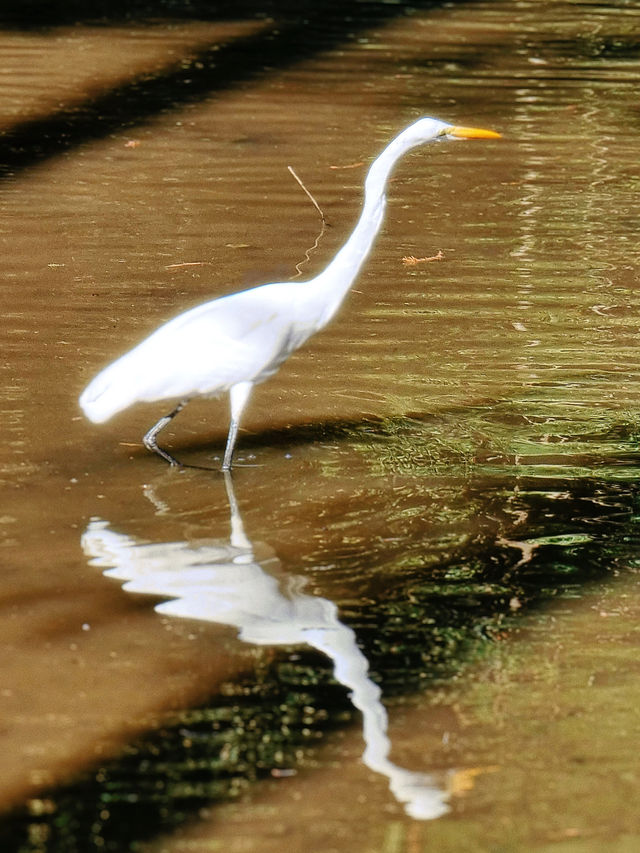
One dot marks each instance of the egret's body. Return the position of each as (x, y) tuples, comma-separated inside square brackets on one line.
[(236, 341)]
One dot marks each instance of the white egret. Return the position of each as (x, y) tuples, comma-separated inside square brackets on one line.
[(234, 342)]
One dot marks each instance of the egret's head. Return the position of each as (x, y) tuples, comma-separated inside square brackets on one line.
[(426, 129)]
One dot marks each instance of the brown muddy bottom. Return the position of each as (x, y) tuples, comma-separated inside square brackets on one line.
[(409, 619)]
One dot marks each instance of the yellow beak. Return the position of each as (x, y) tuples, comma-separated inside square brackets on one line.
[(473, 133)]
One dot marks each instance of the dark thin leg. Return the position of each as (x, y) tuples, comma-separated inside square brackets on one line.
[(149, 440), (231, 443)]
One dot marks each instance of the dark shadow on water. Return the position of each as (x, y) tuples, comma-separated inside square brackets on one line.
[(39, 14), (455, 436), (158, 784), (295, 436), (297, 31)]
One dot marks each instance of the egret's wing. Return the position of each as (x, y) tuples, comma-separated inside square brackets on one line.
[(241, 337), (204, 351)]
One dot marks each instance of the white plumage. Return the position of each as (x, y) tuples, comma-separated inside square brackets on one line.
[(234, 342)]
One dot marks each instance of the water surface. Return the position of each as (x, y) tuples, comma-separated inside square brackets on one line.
[(450, 467)]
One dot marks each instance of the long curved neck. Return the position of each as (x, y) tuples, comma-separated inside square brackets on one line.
[(335, 281)]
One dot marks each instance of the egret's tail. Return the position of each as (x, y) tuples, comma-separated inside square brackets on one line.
[(106, 395)]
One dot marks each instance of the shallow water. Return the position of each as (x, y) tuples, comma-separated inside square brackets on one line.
[(440, 489)]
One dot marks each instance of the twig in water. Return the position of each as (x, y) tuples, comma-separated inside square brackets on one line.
[(349, 165), (410, 261), (307, 254), (315, 203)]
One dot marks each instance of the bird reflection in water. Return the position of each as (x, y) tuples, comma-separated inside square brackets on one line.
[(223, 582)]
